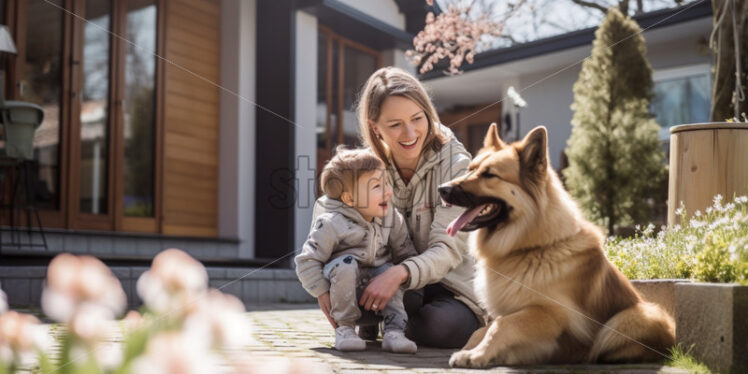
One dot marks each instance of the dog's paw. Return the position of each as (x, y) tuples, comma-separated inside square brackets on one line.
[(469, 359)]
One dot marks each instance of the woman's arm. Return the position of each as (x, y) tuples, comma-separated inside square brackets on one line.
[(444, 253)]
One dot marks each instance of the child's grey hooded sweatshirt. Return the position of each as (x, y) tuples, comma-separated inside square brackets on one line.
[(340, 231)]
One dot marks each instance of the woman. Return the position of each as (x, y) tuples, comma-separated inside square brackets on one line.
[(399, 122)]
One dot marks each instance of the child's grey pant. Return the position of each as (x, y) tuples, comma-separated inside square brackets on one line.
[(347, 283)]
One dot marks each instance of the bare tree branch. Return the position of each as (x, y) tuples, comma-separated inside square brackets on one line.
[(590, 5)]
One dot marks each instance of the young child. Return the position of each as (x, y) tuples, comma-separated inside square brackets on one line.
[(356, 238)]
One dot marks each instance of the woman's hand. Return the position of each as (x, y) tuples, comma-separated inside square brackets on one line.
[(381, 289), (325, 305)]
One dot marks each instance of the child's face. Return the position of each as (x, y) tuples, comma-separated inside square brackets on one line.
[(372, 194)]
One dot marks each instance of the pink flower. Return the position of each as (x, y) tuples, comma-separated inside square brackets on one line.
[(20, 336), (73, 281), (220, 320), (3, 302), (176, 353), (174, 281), (132, 320)]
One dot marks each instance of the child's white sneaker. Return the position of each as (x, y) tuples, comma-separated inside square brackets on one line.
[(396, 342), (346, 340)]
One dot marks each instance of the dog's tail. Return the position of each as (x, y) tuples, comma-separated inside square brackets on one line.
[(641, 333)]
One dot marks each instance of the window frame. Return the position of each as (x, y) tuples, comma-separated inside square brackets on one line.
[(69, 215), (679, 72)]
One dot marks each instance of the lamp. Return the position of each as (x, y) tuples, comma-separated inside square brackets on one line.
[(6, 41), (6, 46)]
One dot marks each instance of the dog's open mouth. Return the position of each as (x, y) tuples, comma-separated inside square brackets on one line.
[(491, 212)]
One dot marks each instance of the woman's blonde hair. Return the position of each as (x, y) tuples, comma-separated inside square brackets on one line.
[(341, 173), (392, 81)]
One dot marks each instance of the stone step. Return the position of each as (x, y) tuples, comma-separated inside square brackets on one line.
[(23, 284)]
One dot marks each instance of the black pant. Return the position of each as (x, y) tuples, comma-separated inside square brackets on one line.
[(437, 319)]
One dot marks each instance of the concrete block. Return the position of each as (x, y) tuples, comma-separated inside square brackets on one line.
[(55, 241), (121, 272), (125, 246), (285, 274), (101, 244), (18, 291), (216, 273), (75, 243), (713, 318), (23, 272), (250, 291), (295, 293), (228, 250), (270, 291), (35, 295), (238, 273), (147, 247), (659, 291), (232, 287)]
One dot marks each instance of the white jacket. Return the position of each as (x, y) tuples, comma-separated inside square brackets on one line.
[(339, 230), (442, 258)]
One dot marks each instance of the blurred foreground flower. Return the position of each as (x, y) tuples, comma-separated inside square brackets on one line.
[(3, 302), (176, 353), (221, 320), (173, 282), (21, 336), (75, 281)]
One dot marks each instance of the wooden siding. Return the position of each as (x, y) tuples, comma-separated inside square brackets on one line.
[(191, 119)]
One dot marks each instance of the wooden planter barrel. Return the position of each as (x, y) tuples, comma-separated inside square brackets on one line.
[(706, 159)]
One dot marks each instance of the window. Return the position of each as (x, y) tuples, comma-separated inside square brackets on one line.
[(95, 150), (343, 66), (681, 95)]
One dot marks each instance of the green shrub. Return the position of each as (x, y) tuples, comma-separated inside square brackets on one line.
[(710, 246)]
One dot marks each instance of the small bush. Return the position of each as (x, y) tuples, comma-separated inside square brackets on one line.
[(710, 246)]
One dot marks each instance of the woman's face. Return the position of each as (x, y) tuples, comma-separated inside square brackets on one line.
[(403, 126)]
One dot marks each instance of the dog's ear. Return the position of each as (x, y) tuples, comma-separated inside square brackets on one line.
[(533, 152), (492, 139)]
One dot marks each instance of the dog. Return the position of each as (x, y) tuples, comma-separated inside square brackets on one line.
[(551, 294)]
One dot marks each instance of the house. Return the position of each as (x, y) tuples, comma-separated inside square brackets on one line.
[(544, 72), (195, 124), (202, 124)]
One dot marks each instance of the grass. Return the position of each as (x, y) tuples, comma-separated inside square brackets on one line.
[(681, 358), (711, 246)]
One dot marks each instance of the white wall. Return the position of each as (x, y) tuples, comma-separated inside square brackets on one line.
[(549, 104), (306, 113), (385, 10), (236, 177)]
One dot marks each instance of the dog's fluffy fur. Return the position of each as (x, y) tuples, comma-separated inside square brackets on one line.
[(552, 295)]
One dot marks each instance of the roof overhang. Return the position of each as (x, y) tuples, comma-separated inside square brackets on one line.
[(356, 25), (647, 21)]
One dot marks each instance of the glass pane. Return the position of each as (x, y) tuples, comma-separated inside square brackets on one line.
[(139, 108), (679, 101), (94, 116), (321, 91), (334, 122), (358, 67), (41, 84)]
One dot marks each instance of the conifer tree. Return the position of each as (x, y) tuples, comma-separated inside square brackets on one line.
[(615, 160)]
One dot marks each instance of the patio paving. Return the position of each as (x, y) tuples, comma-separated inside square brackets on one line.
[(301, 332)]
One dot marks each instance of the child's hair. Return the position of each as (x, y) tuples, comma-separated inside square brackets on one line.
[(392, 81), (341, 173)]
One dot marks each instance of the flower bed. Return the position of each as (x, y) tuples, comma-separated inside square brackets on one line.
[(711, 247)]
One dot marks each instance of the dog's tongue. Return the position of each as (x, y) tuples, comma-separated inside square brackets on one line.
[(464, 219)]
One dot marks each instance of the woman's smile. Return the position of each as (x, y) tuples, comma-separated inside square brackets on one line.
[(409, 144)]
